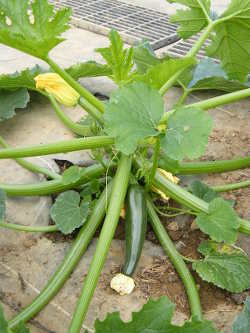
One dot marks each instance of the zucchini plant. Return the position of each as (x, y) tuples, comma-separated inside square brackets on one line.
[(137, 148)]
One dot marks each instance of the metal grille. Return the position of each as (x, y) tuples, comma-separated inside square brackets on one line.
[(132, 22)]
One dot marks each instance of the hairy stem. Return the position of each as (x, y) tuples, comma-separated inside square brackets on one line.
[(231, 187), (189, 200), (53, 186), (58, 147), (119, 190), (75, 128), (177, 261), (185, 168), (25, 228), (75, 85), (31, 166), (63, 272)]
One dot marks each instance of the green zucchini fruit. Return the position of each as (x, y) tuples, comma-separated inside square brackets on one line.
[(135, 227)]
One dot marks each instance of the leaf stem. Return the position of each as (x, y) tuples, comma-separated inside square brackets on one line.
[(155, 163), (75, 85), (75, 128), (25, 228), (186, 168), (91, 109), (72, 258), (30, 166), (177, 261), (231, 187), (58, 147), (118, 193), (189, 200), (53, 186)]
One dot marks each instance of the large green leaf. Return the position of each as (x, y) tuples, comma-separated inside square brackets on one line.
[(2, 204), (12, 100), (187, 133), (119, 59), (192, 20), (133, 114), (230, 271), (231, 42), (34, 29), (202, 191), (158, 75), (242, 323), (66, 212), (23, 79), (221, 223), (154, 317), (88, 69)]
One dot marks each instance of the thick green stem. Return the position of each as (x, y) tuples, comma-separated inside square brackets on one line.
[(185, 168), (53, 186), (231, 187), (75, 128), (119, 190), (69, 263), (26, 228), (58, 147), (91, 110), (187, 199), (177, 261), (75, 85), (32, 167), (213, 102), (155, 163)]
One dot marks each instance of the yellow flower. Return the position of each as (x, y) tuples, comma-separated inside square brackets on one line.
[(169, 176), (53, 84)]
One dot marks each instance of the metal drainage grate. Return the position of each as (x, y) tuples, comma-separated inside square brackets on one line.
[(132, 22), (181, 47)]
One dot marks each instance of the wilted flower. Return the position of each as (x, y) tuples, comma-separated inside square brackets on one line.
[(53, 84), (169, 176)]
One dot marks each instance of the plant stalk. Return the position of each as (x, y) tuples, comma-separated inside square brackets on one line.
[(25, 228), (91, 109), (119, 190), (75, 85), (177, 261), (155, 163), (72, 258), (184, 197), (231, 187), (58, 147), (32, 167), (53, 186), (75, 128)]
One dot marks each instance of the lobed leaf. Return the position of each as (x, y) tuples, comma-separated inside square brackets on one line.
[(118, 58), (12, 100), (227, 271), (187, 134), (242, 323), (192, 20), (230, 43), (66, 212), (133, 114), (202, 191), (88, 69), (34, 29), (221, 223)]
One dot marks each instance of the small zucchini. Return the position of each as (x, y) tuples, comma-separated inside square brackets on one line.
[(135, 227)]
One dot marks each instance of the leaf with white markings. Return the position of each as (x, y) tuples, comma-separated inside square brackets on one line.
[(187, 133), (221, 223), (133, 114), (12, 100), (227, 270), (32, 28), (67, 212), (192, 20)]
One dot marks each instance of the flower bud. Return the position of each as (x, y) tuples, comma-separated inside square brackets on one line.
[(53, 84)]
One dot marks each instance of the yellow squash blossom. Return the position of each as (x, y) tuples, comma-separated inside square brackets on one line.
[(53, 84)]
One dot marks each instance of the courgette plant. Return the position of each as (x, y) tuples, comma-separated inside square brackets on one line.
[(133, 141)]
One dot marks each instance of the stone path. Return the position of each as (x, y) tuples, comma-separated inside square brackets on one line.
[(27, 261)]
